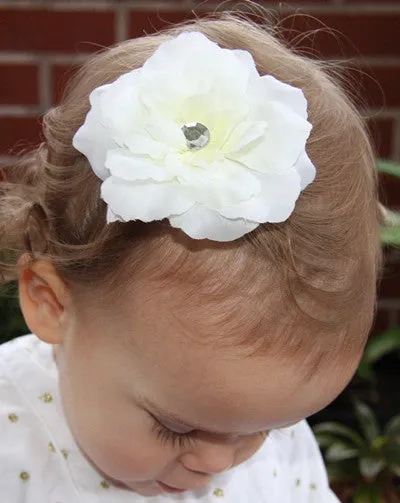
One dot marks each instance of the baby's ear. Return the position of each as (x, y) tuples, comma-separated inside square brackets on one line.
[(43, 298)]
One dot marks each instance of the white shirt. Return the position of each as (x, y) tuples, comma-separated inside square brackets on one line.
[(41, 463)]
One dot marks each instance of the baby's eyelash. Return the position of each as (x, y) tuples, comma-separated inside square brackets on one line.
[(176, 439), (181, 439)]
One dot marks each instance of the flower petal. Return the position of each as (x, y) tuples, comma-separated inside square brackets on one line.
[(112, 217), (268, 88), (127, 166), (144, 200), (93, 138), (193, 63), (120, 106), (247, 61), (228, 185), (306, 169), (143, 144), (282, 143), (244, 133), (200, 222), (191, 69), (167, 133), (279, 192)]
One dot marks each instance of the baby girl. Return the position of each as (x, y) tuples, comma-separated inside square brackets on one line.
[(196, 243)]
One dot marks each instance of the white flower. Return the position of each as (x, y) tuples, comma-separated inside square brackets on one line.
[(249, 166)]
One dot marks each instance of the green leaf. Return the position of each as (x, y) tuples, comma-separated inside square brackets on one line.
[(365, 371), (380, 442), (390, 235), (381, 345), (388, 167), (392, 218), (325, 439), (344, 471), (367, 420), (340, 430), (393, 426), (340, 450), (393, 453), (370, 466), (370, 493), (395, 469)]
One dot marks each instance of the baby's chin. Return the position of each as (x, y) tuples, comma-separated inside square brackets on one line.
[(150, 488)]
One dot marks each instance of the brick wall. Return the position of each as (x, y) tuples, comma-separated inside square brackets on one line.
[(42, 40)]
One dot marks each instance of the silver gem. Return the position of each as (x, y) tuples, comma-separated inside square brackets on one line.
[(196, 134)]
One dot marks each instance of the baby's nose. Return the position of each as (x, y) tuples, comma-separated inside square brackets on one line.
[(210, 458)]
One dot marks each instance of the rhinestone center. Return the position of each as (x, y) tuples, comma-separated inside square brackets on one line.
[(196, 134)]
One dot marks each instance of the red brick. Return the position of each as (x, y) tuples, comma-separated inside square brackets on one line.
[(143, 22), (377, 86), (382, 135), (389, 80), (345, 34), (19, 84), (390, 285), (60, 75), (381, 322), (18, 133), (172, 2), (390, 190), (61, 31), (387, 2)]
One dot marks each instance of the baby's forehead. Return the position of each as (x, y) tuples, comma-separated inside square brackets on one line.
[(238, 319), (206, 285), (226, 392)]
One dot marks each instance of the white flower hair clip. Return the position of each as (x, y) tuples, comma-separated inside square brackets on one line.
[(197, 136)]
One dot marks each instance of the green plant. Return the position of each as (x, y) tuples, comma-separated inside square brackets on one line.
[(390, 233), (365, 463), (391, 168), (378, 347), (12, 321)]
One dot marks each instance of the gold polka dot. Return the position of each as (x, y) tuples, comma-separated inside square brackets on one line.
[(13, 418), (275, 473), (46, 397), (219, 492), (64, 452), (51, 447), (313, 487), (24, 476), (104, 484), (298, 482)]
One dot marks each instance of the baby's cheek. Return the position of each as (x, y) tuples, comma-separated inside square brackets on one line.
[(249, 448), (134, 461)]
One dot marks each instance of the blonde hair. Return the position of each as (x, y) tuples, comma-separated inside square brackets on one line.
[(302, 288)]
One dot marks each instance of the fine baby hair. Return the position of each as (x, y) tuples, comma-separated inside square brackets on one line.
[(317, 270)]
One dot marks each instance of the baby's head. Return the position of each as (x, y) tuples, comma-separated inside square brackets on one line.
[(177, 355)]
